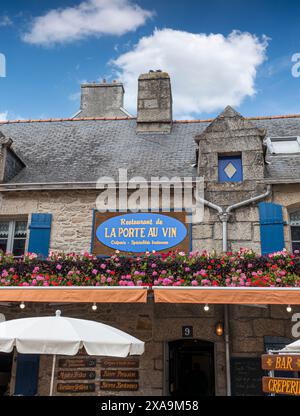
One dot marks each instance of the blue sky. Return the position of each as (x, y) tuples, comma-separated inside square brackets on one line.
[(46, 61)]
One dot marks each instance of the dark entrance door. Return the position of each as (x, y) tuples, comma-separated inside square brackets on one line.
[(191, 368), (27, 374), (5, 373)]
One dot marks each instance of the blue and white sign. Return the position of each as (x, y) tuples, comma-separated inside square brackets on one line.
[(141, 232)]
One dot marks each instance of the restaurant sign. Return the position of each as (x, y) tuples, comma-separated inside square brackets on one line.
[(276, 385), (119, 374), (131, 362), (280, 362), (76, 375), (140, 232), (76, 363), (119, 385), (76, 387)]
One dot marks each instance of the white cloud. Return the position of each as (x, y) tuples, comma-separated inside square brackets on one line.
[(3, 116), (207, 72), (89, 18), (5, 21)]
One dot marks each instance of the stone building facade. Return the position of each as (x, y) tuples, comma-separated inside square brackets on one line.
[(52, 166)]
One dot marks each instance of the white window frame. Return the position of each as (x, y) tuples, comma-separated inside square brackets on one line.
[(11, 233), (269, 143), (291, 224)]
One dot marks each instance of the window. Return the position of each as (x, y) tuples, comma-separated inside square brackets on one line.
[(283, 145), (13, 236), (230, 168), (295, 230)]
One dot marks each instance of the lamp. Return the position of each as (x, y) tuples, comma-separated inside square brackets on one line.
[(219, 329), (22, 305), (289, 309), (94, 307), (206, 308)]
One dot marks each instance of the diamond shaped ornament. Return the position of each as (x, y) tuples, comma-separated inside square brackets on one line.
[(230, 170)]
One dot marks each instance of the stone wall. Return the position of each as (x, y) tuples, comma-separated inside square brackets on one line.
[(157, 324), (243, 230), (73, 214)]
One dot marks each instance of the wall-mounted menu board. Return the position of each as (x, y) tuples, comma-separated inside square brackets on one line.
[(246, 374)]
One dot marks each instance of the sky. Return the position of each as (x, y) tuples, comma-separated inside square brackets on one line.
[(236, 52)]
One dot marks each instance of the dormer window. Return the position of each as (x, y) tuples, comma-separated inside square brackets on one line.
[(283, 145), (230, 168)]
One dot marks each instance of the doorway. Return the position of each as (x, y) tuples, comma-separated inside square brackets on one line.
[(191, 368), (5, 373)]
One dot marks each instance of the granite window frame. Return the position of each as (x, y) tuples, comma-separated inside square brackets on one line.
[(236, 160)]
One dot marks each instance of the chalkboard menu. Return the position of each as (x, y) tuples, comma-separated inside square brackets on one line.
[(246, 376)]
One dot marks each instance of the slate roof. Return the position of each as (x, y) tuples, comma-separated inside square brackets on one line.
[(83, 150)]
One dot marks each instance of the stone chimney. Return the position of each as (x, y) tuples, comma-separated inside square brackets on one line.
[(102, 100), (154, 112)]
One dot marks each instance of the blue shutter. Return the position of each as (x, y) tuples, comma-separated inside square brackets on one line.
[(27, 374), (271, 227), (39, 239)]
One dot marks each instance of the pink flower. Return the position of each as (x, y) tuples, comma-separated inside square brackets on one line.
[(59, 267), (94, 271), (103, 266), (40, 277), (194, 283)]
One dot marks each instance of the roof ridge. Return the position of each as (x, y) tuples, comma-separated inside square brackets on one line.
[(209, 120), (61, 119)]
